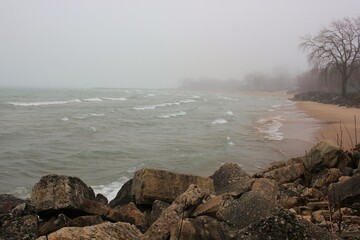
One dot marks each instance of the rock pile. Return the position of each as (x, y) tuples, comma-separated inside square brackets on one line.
[(351, 100), (311, 197)]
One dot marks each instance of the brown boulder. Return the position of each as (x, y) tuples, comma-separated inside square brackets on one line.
[(131, 214), (230, 178), (54, 192), (210, 206), (287, 171), (106, 230), (151, 184), (101, 199), (179, 209), (203, 227)]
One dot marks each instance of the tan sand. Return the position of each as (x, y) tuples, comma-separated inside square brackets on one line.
[(339, 123)]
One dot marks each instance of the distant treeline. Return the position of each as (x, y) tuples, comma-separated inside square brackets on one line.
[(315, 79)]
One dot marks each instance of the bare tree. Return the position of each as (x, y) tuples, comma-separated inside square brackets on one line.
[(336, 47)]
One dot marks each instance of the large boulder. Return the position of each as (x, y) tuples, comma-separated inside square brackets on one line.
[(106, 230), (55, 192), (178, 210), (285, 171), (157, 209), (248, 209), (323, 154), (150, 185), (230, 178)]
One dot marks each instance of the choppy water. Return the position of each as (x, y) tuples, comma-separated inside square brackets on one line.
[(104, 135)]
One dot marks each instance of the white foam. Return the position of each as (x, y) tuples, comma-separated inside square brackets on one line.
[(115, 99), (152, 107), (97, 114), (187, 101), (65, 119), (270, 128), (231, 143), (93, 129), (195, 96), (177, 114), (96, 99), (219, 121), (150, 95), (110, 190), (34, 104), (82, 116), (230, 113)]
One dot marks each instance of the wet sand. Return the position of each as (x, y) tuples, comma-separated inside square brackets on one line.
[(338, 123)]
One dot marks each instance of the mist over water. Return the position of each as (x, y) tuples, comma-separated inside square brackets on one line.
[(104, 135)]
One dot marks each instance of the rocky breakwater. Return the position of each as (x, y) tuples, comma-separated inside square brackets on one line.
[(315, 196), (351, 99)]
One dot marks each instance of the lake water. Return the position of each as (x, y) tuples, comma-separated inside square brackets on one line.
[(104, 135)]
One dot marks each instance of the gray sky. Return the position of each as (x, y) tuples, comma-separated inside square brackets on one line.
[(153, 44)]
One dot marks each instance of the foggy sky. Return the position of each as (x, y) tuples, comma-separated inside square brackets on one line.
[(153, 44)]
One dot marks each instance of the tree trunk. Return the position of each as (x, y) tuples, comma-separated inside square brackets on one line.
[(343, 85)]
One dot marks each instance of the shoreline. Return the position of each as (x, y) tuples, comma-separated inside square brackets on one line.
[(337, 123)]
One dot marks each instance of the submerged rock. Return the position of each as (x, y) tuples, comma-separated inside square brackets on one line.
[(151, 184)]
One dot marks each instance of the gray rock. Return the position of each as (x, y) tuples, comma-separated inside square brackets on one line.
[(248, 209), (230, 178)]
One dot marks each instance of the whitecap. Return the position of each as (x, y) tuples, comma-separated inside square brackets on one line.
[(97, 114), (219, 121), (270, 128), (115, 99), (65, 119), (96, 99), (231, 143), (93, 129), (195, 96), (144, 108), (177, 114), (150, 95), (230, 113), (110, 190), (82, 116), (187, 101), (34, 104)]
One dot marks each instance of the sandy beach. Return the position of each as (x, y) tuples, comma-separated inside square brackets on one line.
[(338, 122)]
